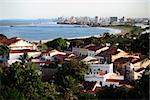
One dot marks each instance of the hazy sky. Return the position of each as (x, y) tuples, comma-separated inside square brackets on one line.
[(54, 8)]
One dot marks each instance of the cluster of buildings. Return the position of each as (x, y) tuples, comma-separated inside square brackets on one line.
[(101, 21), (108, 66)]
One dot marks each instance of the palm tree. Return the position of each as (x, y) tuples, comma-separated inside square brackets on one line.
[(4, 52), (24, 58), (4, 49)]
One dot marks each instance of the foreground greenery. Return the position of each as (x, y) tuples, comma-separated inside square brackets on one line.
[(23, 82)]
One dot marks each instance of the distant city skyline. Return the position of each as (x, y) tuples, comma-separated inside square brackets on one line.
[(30, 9)]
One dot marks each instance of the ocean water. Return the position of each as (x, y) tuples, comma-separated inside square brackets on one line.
[(48, 30)]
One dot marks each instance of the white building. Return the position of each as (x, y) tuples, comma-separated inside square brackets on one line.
[(18, 44), (14, 55), (103, 73), (48, 55)]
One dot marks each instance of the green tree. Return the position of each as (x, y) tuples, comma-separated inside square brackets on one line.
[(24, 58), (4, 50), (59, 44), (43, 47), (76, 43), (25, 81), (2, 36), (69, 77), (143, 84)]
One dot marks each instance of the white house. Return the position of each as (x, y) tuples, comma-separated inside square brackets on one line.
[(103, 73), (48, 55), (90, 50), (14, 55), (18, 44)]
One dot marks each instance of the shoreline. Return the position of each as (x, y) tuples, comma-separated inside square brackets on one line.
[(114, 31)]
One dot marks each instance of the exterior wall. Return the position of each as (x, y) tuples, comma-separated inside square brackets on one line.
[(110, 83), (91, 53), (101, 59), (129, 71), (21, 44), (13, 57), (95, 68), (113, 76), (79, 51), (49, 56), (103, 67), (101, 79), (94, 78)]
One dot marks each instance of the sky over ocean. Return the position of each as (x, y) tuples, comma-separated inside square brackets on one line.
[(11, 9)]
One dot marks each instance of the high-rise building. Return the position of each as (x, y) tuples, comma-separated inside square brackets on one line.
[(113, 19), (96, 19)]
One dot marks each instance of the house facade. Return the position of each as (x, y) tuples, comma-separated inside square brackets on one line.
[(101, 73), (18, 44)]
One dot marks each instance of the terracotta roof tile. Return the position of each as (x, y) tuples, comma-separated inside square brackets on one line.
[(109, 52), (94, 48), (140, 69), (113, 80), (22, 51), (9, 41)]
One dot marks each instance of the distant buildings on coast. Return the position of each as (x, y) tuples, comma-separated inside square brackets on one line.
[(101, 21)]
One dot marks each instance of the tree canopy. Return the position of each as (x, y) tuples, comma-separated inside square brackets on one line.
[(2, 36), (23, 81), (69, 78), (59, 44)]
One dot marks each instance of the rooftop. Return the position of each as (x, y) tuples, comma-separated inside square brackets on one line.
[(94, 48), (109, 52), (22, 51), (9, 41)]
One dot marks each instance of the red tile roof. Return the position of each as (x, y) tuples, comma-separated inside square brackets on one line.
[(113, 80), (22, 51), (94, 48), (49, 51), (121, 60), (140, 69), (9, 41), (109, 52), (138, 60), (44, 62), (59, 55), (124, 60)]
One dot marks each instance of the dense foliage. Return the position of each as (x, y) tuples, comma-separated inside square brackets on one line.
[(69, 78), (59, 44), (2, 36), (23, 82)]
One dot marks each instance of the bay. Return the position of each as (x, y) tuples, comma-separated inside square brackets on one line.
[(46, 30)]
